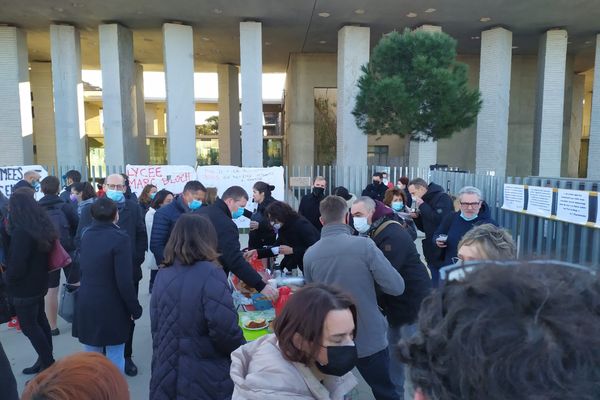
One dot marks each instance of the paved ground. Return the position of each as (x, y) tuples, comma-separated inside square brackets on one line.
[(22, 355)]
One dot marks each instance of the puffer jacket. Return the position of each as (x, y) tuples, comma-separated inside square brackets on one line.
[(194, 330), (259, 372), (164, 221)]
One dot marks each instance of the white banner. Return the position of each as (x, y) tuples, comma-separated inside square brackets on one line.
[(9, 176), (224, 176), (573, 206), (514, 197), (540, 201), (170, 177)]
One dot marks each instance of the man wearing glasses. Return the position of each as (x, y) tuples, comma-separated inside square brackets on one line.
[(473, 211)]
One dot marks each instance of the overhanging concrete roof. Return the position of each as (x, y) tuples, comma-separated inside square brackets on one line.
[(295, 25)]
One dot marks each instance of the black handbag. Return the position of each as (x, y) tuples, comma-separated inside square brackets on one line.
[(68, 298)]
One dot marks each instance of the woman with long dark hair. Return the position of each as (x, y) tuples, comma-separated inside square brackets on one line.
[(261, 232), (147, 197), (161, 198), (83, 194), (194, 323), (31, 236)]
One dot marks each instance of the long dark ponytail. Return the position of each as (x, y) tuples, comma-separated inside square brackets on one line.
[(26, 214)]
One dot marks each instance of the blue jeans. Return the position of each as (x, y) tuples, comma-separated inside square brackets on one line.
[(399, 377), (116, 354), (375, 369)]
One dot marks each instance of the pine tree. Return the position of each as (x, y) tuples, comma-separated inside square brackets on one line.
[(414, 86)]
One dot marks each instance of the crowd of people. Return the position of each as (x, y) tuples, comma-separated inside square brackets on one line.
[(467, 322)]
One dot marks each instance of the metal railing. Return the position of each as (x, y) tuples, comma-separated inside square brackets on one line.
[(536, 237)]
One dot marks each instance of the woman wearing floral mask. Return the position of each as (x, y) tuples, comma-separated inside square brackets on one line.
[(309, 356)]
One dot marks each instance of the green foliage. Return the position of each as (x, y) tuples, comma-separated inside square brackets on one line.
[(210, 126), (325, 131), (414, 86)]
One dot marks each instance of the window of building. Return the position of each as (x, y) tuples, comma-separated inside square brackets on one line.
[(207, 151), (377, 155), (272, 152), (157, 151)]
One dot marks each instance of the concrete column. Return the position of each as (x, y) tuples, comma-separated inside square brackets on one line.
[(252, 110), (69, 117), (140, 105), (423, 154), (16, 125), (593, 171), (179, 73), (118, 95), (547, 141), (353, 53), (576, 128), (494, 85), (229, 116), (43, 110)]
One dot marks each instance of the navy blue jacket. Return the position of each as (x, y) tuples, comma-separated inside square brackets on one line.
[(164, 221), (264, 235), (455, 227), (376, 192), (106, 299), (228, 234), (194, 330)]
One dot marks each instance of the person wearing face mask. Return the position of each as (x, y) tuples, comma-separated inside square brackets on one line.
[(310, 355), (356, 265), (376, 190), (71, 178), (309, 204), (294, 235), (192, 198), (131, 222), (146, 197), (31, 180), (386, 181), (83, 195), (396, 200), (402, 184), (378, 222), (107, 300), (230, 206), (261, 232), (473, 211)]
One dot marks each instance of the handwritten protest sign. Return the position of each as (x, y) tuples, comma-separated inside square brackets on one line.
[(224, 176), (540, 201), (170, 177), (573, 206), (9, 176), (514, 197)]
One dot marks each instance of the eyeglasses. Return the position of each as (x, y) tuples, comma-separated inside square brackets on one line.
[(470, 204), (114, 187)]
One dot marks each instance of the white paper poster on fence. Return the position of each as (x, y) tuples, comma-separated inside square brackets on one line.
[(224, 176), (540, 201), (9, 176), (573, 206), (514, 197), (170, 177)]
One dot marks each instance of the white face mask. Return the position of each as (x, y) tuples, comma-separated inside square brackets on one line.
[(385, 181), (361, 224)]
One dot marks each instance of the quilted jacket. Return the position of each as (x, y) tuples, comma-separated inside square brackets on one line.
[(194, 330), (164, 221)]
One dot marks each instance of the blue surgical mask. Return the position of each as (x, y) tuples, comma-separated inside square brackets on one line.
[(115, 195), (37, 186), (195, 204), (238, 213), (361, 224), (397, 205), (152, 195), (463, 216)]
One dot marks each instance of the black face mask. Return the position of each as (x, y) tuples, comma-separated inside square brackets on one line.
[(317, 191), (376, 183), (341, 360)]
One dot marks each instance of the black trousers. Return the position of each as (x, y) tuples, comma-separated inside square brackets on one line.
[(129, 344), (8, 384), (35, 326), (375, 369)]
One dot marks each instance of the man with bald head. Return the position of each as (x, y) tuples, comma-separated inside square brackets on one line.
[(131, 221), (31, 180)]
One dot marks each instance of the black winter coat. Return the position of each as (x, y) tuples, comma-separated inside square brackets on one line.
[(264, 235), (106, 298), (400, 250), (309, 209), (26, 265), (131, 221), (194, 330), (231, 257), (436, 206), (299, 234), (376, 192), (52, 201), (164, 221)]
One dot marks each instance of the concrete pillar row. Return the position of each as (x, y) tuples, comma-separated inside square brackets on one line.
[(593, 171), (229, 116), (423, 154), (178, 46), (252, 112), (69, 118), (353, 53), (140, 105), (548, 134), (494, 85), (16, 121)]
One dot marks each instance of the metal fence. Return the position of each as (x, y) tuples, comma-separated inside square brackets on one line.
[(536, 237)]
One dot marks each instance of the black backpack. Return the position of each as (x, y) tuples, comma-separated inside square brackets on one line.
[(61, 225)]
